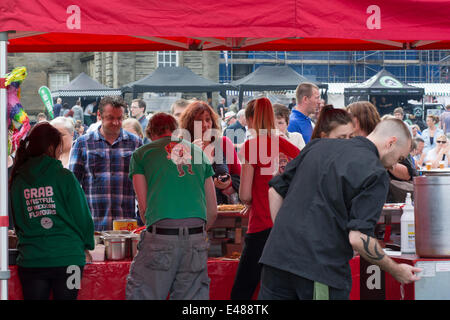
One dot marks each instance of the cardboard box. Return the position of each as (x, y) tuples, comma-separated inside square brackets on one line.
[(229, 249)]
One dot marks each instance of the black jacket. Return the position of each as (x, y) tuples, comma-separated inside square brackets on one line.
[(333, 186)]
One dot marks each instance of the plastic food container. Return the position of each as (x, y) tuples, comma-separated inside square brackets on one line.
[(125, 224), (98, 254)]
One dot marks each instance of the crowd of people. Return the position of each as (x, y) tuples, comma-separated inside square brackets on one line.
[(313, 189)]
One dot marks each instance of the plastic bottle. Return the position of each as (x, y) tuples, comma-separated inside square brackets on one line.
[(407, 230)]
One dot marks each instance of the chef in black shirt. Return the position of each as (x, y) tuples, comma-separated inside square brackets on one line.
[(334, 192)]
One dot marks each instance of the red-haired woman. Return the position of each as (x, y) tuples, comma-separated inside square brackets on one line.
[(265, 154), (201, 125), (365, 117)]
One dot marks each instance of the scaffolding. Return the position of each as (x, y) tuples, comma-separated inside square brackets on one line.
[(431, 66)]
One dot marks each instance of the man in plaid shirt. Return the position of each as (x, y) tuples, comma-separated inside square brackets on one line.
[(100, 161)]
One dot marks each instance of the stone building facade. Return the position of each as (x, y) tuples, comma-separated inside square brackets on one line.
[(113, 69), (44, 69)]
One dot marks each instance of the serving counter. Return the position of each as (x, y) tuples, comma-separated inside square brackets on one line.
[(107, 280)]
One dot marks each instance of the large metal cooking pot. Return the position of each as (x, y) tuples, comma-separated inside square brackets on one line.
[(432, 215), (115, 247), (120, 233)]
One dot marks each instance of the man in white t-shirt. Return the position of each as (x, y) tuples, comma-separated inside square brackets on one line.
[(89, 112)]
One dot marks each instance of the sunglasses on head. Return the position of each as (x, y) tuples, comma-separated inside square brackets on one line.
[(441, 141)]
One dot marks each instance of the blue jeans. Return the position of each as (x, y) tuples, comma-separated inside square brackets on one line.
[(277, 284)]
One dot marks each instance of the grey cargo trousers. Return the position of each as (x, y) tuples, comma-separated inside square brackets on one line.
[(173, 266)]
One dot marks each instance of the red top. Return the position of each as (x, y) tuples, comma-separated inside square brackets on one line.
[(266, 163), (231, 157)]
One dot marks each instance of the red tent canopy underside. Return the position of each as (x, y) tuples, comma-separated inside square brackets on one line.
[(70, 42), (244, 25)]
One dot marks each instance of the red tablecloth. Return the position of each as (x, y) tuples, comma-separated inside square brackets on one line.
[(107, 280)]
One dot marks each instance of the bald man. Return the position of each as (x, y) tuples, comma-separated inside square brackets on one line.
[(334, 192)]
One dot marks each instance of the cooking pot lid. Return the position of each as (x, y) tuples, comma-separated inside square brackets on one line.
[(108, 236)]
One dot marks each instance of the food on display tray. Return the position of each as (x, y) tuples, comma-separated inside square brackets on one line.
[(230, 207), (393, 206)]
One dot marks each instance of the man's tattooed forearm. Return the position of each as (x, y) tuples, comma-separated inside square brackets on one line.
[(378, 255)]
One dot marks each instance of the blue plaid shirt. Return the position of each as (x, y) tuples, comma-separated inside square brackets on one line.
[(102, 170)]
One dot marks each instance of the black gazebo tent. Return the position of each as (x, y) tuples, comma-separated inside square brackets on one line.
[(272, 78), (383, 84), (85, 88), (174, 79)]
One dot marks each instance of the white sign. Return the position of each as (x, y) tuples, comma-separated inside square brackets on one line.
[(428, 269)]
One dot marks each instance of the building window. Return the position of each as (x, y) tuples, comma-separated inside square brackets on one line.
[(57, 81), (167, 58)]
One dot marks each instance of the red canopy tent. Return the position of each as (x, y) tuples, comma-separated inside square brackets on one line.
[(300, 25), (246, 25)]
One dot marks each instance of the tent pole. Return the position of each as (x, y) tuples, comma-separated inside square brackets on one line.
[(223, 94), (4, 220), (241, 97)]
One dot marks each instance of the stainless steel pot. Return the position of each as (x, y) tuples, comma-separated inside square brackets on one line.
[(115, 247), (121, 233), (432, 215)]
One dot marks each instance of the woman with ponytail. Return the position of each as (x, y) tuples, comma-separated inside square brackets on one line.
[(264, 155), (333, 123), (51, 217)]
